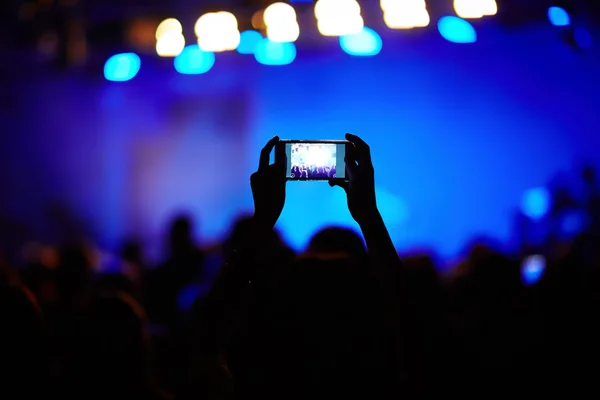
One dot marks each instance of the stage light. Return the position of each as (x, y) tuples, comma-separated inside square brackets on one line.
[(217, 32), (338, 17), (194, 61), (489, 7), (281, 23), (168, 26), (275, 53), (248, 42), (535, 203), (170, 44), (457, 30), (405, 14), (472, 9), (122, 67), (366, 43), (559, 16), (533, 269)]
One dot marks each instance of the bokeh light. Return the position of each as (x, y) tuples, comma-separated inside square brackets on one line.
[(248, 42), (217, 32), (275, 53), (194, 61), (405, 14), (338, 17), (536, 203), (169, 38), (457, 30), (281, 23), (366, 43), (559, 16), (168, 26), (170, 44), (122, 67), (533, 269), (472, 9)]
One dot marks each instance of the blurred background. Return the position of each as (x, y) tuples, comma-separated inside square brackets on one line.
[(117, 116)]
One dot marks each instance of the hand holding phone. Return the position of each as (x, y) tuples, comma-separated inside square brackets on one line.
[(360, 186), (268, 185)]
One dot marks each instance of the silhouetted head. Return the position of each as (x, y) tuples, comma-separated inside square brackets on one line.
[(72, 273), (113, 348), (181, 234), (334, 240), (332, 337), (132, 252), (421, 272)]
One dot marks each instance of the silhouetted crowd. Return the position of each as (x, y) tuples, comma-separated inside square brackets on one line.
[(340, 320), (313, 171)]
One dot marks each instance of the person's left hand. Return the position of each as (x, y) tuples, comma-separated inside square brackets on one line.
[(268, 185)]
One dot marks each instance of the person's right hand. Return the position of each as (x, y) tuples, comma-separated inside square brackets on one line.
[(268, 185), (360, 187)]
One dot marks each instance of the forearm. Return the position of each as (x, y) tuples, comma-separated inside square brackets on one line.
[(379, 242), (383, 257)]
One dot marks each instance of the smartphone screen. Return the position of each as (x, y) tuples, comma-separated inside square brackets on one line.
[(315, 160)]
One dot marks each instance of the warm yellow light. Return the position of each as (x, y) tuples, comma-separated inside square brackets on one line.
[(468, 9), (489, 7), (168, 26), (338, 17), (341, 27), (217, 32), (281, 24), (277, 12), (405, 14), (326, 9), (170, 44)]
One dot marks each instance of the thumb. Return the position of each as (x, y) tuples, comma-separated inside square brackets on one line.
[(339, 182)]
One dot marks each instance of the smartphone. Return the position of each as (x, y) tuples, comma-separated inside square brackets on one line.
[(315, 160)]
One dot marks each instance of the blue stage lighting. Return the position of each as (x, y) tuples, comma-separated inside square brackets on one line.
[(583, 38), (248, 42), (559, 16), (274, 53), (457, 30), (366, 43), (122, 67), (193, 61), (536, 203), (533, 269)]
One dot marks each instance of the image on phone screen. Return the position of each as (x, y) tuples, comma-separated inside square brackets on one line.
[(315, 160)]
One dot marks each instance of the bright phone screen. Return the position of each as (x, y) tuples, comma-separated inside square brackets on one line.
[(316, 160)]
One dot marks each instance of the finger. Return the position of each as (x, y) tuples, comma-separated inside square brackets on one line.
[(340, 183), (363, 151), (265, 153), (280, 157), (350, 166), (275, 172)]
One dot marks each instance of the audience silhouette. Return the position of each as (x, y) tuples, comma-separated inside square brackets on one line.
[(347, 317)]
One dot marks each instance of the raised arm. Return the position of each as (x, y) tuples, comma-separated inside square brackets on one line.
[(362, 203)]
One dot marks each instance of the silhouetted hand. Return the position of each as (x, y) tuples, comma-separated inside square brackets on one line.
[(268, 186), (360, 187)]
